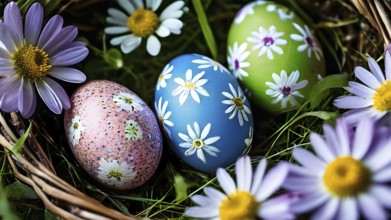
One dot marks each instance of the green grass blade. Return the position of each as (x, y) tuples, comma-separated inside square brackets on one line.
[(208, 34), (19, 144)]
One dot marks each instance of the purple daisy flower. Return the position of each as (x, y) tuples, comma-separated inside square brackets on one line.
[(349, 176), (29, 55)]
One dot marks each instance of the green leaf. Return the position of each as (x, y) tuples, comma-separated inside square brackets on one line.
[(5, 208), (321, 89), (119, 205), (20, 191), (19, 144), (181, 187), (208, 34)]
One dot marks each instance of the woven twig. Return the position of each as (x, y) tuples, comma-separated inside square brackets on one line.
[(58, 196), (378, 14)]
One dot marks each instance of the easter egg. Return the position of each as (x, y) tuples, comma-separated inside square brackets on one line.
[(274, 55), (113, 134), (204, 113)]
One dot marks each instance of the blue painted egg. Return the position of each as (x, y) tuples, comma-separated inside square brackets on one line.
[(204, 113)]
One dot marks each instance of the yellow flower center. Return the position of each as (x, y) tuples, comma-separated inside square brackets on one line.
[(238, 102), (346, 176), (382, 97), (239, 205), (161, 77), (75, 125), (117, 174), (143, 22), (189, 85), (31, 62), (198, 143)]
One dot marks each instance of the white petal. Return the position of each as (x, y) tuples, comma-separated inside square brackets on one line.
[(173, 10), (163, 31), (226, 181), (153, 45), (130, 43)]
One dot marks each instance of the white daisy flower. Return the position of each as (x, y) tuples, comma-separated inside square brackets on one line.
[(247, 10), (75, 130), (267, 41), (370, 98), (237, 56), (133, 131), (308, 41), (190, 85), (248, 198), (115, 173), (164, 115), (236, 101), (197, 141), (128, 102), (141, 21), (285, 88), (166, 74), (206, 62), (348, 176), (283, 14)]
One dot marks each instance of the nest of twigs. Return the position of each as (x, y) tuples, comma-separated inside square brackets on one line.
[(348, 30)]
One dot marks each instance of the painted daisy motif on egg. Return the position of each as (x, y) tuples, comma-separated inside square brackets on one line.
[(75, 130), (249, 140), (283, 14), (192, 85), (127, 102), (166, 74), (247, 10), (133, 131), (196, 141), (164, 115), (115, 173), (308, 41), (267, 41), (206, 62), (237, 60), (236, 101), (285, 88)]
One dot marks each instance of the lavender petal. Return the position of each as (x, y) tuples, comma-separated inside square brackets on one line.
[(69, 56), (68, 74), (33, 23), (62, 40), (50, 31), (25, 98), (13, 19)]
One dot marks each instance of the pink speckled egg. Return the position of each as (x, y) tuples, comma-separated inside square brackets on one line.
[(113, 134)]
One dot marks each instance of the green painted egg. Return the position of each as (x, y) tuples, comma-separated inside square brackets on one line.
[(274, 55)]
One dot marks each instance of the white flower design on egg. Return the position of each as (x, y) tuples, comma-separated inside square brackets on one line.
[(308, 41), (281, 12), (133, 131), (164, 115), (236, 104), (237, 60), (190, 85), (207, 62), (74, 131), (285, 88), (267, 41), (197, 141), (127, 102), (166, 74), (115, 173), (247, 10)]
